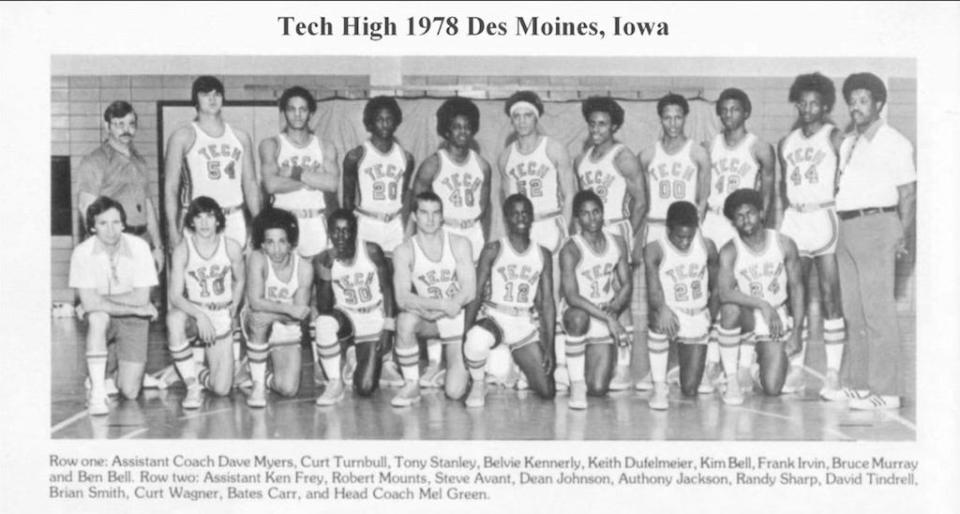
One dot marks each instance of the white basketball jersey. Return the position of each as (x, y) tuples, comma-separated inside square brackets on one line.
[(208, 280), (215, 165), (459, 185), (811, 166), (684, 275), (731, 169), (535, 177), (380, 179), (515, 277), (763, 274), (604, 179), (356, 286), (596, 271), (435, 279), (276, 290), (295, 159), (671, 178)]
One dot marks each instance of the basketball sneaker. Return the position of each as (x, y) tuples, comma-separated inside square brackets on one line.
[(795, 381), (831, 384), (875, 402), (194, 397), (433, 376), (561, 378), (390, 375), (645, 383), (844, 394), (257, 399), (658, 399), (477, 396), (332, 394), (711, 377), (734, 394), (98, 404), (109, 386), (408, 395), (621, 378), (578, 396)]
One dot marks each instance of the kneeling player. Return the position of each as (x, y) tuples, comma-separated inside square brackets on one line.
[(681, 271), (355, 299), (206, 288), (596, 283), (433, 280), (756, 270), (519, 275), (278, 297)]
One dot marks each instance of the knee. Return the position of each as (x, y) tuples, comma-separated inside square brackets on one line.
[(546, 390), (576, 321), (129, 391), (286, 388), (406, 329), (729, 315), (220, 387), (477, 343), (326, 328), (454, 390)]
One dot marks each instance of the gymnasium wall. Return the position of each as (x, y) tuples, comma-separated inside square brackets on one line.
[(82, 87)]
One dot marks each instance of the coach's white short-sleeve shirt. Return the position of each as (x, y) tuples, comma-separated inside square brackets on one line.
[(872, 166), (92, 267)]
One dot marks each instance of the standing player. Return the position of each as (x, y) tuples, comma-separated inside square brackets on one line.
[(355, 300), (301, 171), (519, 309), (206, 289), (610, 169), (597, 286), (376, 174), (759, 271), (539, 168), (217, 160), (433, 280), (808, 158), (738, 159), (278, 298), (461, 178), (681, 277), (113, 273)]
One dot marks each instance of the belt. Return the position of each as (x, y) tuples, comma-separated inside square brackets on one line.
[(216, 306), (810, 207), (847, 215), (689, 312), (230, 210), (462, 224), (551, 214), (659, 222), (377, 215), (362, 310), (306, 213), (507, 309), (137, 230), (618, 220)]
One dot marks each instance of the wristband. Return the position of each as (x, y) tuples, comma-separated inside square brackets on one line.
[(390, 324)]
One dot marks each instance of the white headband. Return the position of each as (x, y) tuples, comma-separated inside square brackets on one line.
[(524, 106)]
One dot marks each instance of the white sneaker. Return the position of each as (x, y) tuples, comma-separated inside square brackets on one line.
[(658, 400), (150, 382), (844, 394), (241, 376), (746, 378), (578, 396), (109, 386), (194, 397), (561, 378), (477, 396), (408, 395), (166, 377), (875, 402), (673, 376), (432, 376), (645, 383), (711, 377), (390, 375), (621, 379), (831, 384), (332, 394), (734, 394), (349, 366), (795, 383), (98, 405), (257, 399), (522, 383)]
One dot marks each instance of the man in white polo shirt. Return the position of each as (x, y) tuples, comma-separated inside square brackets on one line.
[(876, 203)]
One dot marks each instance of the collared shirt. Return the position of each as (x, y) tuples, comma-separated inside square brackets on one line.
[(872, 166), (108, 172), (130, 267)]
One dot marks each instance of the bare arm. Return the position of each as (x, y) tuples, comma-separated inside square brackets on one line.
[(251, 189), (177, 147), (273, 182), (622, 298), (569, 258), (466, 274), (351, 170), (301, 297), (407, 300), (702, 159), (508, 186), (567, 178), (630, 169), (784, 201), (407, 181), (322, 264), (907, 208), (256, 297), (727, 282), (763, 153), (135, 303), (238, 268), (484, 266), (484, 199), (795, 286), (547, 309), (422, 183), (713, 268), (327, 179), (664, 319), (384, 273)]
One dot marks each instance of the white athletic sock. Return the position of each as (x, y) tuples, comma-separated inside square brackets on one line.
[(183, 360), (329, 355), (624, 353), (659, 349), (257, 356), (409, 359), (97, 368), (729, 341), (434, 351), (834, 337), (237, 344), (258, 372), (199, 354), (576, 349), (748, 349), (713, 346), (476, 349)]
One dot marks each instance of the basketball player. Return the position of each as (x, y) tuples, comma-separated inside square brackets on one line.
[(738, 159), (681, 276), (538, 167), (113, 273), (218, 161), (461, 178), (808, 158), (434, 279), (301, 171), (759, 271), (519, 309), (376, 174), (278, 303), (355, 300), (207, 277), (596, 286), (674, 169)]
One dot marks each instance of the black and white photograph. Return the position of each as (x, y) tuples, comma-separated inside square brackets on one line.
[(517, 256)]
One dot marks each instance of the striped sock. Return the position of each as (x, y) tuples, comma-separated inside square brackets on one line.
[(659, 349), (329, 355), (576, 349), (183, 359), (409, 359), (748, 349), (729, 341), (257, 355), (97, 368), (834, 337)]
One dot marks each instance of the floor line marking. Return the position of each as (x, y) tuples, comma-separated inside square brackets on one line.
[(69, 421), (899, 419), (205, 413), (133, 434)]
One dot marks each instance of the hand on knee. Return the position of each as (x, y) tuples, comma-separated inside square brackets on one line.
[(576, 321)]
